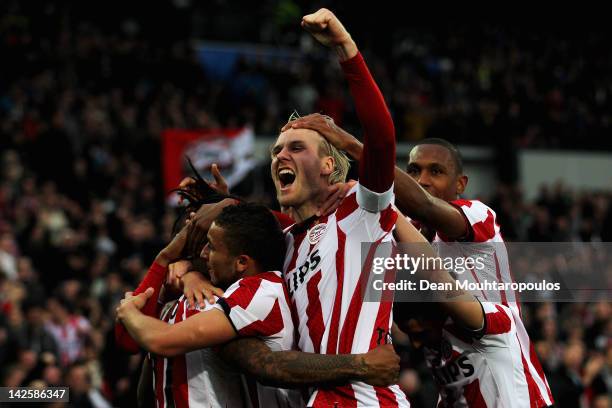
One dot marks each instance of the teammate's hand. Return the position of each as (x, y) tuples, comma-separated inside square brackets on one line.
[(325, 125), (381, 366), (219, 184), (326, 28), (196, 288), (131, 303), (176, 270), (172, 252), (207, 213), (335, 195)]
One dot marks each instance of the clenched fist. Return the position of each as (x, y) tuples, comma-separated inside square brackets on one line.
[(329, 31)]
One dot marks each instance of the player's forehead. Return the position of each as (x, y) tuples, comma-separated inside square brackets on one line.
[(428, 154), (306, 136), (215, 234)]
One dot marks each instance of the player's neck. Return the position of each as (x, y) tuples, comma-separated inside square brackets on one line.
[(302, 212)]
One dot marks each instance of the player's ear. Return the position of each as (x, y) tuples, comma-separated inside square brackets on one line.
[(241, 263), (462, 181), (327, 165)]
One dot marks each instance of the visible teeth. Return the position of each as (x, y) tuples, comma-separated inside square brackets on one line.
[(286, 176)]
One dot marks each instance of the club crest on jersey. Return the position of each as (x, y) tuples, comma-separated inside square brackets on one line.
[(315, 233)]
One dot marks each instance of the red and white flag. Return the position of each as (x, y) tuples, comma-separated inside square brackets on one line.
[(231, 149)]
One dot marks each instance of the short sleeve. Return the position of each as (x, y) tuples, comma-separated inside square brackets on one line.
[(252, 306)]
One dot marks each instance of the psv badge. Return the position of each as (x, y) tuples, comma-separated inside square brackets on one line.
[(315, 233)]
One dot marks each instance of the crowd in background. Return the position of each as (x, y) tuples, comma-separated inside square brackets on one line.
[(82, 212)]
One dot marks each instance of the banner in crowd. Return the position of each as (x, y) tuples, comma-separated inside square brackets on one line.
[(231, 149)]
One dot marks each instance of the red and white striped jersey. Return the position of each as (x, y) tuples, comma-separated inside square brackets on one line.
[(258, 306), (195, 379), (324, 277), (483, 370), (484, 229)]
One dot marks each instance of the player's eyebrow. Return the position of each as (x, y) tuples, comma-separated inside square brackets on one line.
[(274, 149), (438, 166)]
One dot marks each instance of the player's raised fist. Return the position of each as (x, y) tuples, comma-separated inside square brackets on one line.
[(326, 28)]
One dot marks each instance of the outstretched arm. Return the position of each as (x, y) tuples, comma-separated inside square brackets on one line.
[(202, 330), (292, 369), (378, 157), (461, 306)]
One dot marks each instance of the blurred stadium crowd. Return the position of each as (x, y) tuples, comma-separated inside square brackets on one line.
[(82, 213)]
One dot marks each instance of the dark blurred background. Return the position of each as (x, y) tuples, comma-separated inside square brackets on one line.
[(86, 89)]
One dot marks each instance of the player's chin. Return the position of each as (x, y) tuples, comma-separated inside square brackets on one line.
[(284, 200)]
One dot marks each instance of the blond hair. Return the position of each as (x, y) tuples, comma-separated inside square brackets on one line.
[(341, 161)]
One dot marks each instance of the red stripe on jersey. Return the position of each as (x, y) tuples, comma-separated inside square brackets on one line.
[(352, 315), (381, 324), (499, 279), (272, 324), (314, 312), (387, 219), (159, 365), (473, 396), (297, 241), (270, 277), (386, 397), (536, 364), (332, 339), (461, 203), (244, 294), (283, 219), (535, 401), (484, 230), (342, 396), (348, 205), (180, 388), (498, 322)]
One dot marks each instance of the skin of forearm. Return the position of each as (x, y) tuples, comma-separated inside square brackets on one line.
[(346, 50), (292, 369), (410, 198), (144, 330), (460, 305), (162, 260)]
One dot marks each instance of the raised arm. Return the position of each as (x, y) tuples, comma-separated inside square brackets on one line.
[(378, 157), (293, 369)]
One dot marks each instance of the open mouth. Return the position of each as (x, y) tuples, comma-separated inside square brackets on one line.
[(286, 177)]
